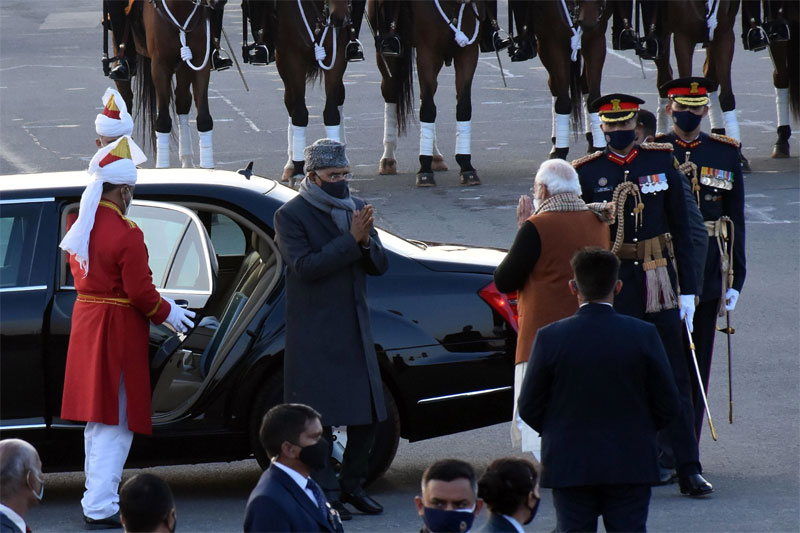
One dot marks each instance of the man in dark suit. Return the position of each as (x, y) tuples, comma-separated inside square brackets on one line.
[(286, 498), (598, 388), (21, 483)]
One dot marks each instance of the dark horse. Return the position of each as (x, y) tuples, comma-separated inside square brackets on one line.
[(568, 31), (172, 37), (786, 77), (309, 42), (442, 32)]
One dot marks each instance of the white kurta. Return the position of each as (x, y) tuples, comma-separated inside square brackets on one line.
[(522, 435)]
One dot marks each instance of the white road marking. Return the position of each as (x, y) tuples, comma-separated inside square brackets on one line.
[(629, 60), (71, 20), (16, 160), (761, 215), (237, 110), (493, 64)]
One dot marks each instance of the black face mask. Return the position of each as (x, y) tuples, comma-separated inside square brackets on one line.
[(337, 189), (620, 139), (315, 456), (534, 509), (686, 120)]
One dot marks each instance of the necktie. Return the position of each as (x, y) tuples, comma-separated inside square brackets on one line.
[(319, 496)]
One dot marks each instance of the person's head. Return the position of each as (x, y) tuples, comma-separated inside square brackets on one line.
[(21, 479), (327, 166), (449, 500), (122, 195), (115, 167), (146, 504), (645, 127), (688, 103), (555, 176), (618, 118), (595, 275), (114, 121), (291, 434), (509, 487)]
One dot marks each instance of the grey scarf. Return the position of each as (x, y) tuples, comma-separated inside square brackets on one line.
[(340, 209)]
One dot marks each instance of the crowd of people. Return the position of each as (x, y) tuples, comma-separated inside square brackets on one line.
[(622, 262)]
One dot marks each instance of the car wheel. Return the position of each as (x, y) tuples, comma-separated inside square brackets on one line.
[(387, 438)]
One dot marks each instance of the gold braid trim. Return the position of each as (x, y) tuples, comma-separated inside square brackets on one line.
[(661, 147), (690, 170), (585, 159), (724, 139), (621, 193)]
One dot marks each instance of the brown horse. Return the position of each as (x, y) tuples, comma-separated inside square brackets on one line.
[(568, 31), (786, 77), (443, 32), (173, 37), (309, 43)]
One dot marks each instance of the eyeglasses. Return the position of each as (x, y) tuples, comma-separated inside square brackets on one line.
[(337, 177)]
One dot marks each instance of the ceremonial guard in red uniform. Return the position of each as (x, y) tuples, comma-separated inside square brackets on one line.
[(107, 380)]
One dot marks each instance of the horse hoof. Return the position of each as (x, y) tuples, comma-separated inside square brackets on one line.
[(425, 179), (559, 153), (387, 167), (287, 175), (438, 164), (469, 177), (780, 150)]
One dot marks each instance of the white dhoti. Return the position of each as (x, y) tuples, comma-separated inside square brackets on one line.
[(106, 449), (522, 435)]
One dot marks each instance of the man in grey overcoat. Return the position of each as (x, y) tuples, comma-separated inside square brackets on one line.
[(329, 244)]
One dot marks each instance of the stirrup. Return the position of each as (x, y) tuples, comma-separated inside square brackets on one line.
[(390, 46), (257, 54), (627, 39), (757, 39), (778, 30), (648, 48), (121, 72), (219, 62), (354, 51)]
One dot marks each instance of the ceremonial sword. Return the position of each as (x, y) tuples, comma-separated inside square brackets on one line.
[(728, 330), (233, 55), (699, 379)]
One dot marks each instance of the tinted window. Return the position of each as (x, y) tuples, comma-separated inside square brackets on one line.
[(18, 226), (226, 236)]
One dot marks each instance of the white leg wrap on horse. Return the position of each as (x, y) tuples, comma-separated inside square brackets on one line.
[(463, 136), (562, 130), (342, 137), (553, 130), (289, 139), (427, 135), (184, 141), (714, 111), (782, 102), (587, 119), (162, 150), (298, 142), (663, 124), (598, 138), (332, 132), (732, 125), (206, 149), (389, 130)]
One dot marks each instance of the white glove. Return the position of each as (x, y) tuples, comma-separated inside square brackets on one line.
[(731, 297), (687, 309), (179, 317)]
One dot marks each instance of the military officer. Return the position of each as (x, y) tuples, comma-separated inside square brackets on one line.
[(650, 231), (711, 163)]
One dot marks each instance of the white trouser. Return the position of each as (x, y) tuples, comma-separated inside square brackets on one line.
[(106, 449), (522, 435)]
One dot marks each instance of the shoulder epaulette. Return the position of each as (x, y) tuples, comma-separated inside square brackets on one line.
[(660, 147), (585, 159), (130, 222), (724, 139)]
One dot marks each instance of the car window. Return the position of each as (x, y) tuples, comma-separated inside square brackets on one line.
[(163, 231), (18, 227), (187, 270), (227, 236)]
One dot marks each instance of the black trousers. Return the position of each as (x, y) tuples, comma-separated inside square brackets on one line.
[(705, 331), (355, 462), (623, 507)]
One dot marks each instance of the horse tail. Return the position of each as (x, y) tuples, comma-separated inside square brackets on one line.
[(145, 95), (575, 96), (313, 73), (403, 77), (793, 59)]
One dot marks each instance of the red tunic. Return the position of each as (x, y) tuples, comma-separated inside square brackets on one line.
[(110, 325)]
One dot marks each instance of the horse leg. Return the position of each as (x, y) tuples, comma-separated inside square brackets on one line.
[(428, 67), (332, 115), (720, 54), (593, 50), (663, 75), (388, 163), (557, 64), (464, 63), (780, 79), (161, 81), (183, 103), (714, 111), (294, 97), (205, 124)]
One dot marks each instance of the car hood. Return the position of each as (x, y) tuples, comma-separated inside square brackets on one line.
[(459, 258)]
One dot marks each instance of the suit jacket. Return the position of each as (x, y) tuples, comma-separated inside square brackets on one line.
[(8, 525), (597, 389), (497, 523), (277, 503), (328, 334)]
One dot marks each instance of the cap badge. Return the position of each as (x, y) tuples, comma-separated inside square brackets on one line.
[(693, 87), (615, 105)]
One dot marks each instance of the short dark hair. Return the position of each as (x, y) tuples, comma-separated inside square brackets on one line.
[(284, 422), (108, 187), (145, 501), (449, 470), (596, 272), (648, 122), (506, 484)]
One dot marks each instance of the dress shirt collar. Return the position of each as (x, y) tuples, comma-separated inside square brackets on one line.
[(298, 478), (17, 519), (598, 303), (514, 523)]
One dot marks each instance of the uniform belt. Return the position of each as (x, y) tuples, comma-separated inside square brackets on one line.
[(635, 251), (716, 228), (89, 298)]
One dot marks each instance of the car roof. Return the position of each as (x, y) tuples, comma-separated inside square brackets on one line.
[(63, 180)]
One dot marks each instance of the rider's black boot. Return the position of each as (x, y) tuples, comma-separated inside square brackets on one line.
[(353, 51), (523, 50), (219, 61), (389, 46), (121, 71), (648, 48)]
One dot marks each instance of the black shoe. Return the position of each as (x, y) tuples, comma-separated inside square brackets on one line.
[(257, 54), (120, 72), (220, 62), (522, 50), (627, 40), (494, 42), (648, 48), (390, 46), (361, 501), (756, 39), (111, 522), (667, 476), (353, 51), (694, 485), (344, 513), (777, 30)]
